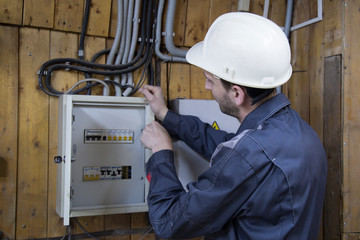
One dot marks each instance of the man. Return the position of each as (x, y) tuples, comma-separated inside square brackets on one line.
[(267, 181)]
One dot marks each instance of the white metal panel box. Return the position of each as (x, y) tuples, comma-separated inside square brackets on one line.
[(188, 163), (101, 159)]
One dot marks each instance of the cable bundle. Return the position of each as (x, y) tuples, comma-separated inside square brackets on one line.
[(129, 65)]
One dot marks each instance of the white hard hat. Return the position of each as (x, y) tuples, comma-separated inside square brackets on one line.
[(245, 49)]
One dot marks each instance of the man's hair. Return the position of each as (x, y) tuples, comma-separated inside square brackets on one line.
[(257, 94)]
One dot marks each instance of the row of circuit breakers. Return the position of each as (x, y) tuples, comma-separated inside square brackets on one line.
[(106, 171)]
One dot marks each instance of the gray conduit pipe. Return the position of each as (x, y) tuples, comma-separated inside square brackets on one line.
[(115, 46), (135, 33), (134, 39), (128, 32), (288, 19), (169, 29), (158, 38), (122, 46), (127, 38)]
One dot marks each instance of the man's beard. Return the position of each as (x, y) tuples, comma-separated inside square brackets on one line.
[(227, 106)]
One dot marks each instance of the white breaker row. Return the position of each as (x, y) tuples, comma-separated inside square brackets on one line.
[(108, 136)]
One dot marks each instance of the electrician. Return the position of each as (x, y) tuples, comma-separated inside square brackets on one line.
[(268, 180)]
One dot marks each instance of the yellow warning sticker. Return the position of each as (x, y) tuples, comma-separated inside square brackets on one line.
[(215, 125)]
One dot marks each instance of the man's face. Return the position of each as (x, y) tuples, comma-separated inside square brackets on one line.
[(220, 94)]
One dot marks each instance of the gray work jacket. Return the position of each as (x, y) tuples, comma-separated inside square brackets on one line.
[(267, 181)]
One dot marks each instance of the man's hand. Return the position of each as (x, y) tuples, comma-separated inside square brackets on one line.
[(156, 138), (156, 99)]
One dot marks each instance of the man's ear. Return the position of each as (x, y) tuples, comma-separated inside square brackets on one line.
[(238, 94)]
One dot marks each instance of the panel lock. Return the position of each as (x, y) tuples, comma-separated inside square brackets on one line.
[(58, 159)]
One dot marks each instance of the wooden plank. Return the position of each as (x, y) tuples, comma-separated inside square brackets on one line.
[(9, 63), (179, 81), (316, 75), (118, 221), (350, 236), (257, 7), (140, 220), (197, 81), (234, 5), (332, 145), (351, 119), (39, 13), (90, 224), (164, 79), (113, 19), (99, 18), (92, 46), (179, 22), (11, 11), (33, 137), (298, 86), (277, 12), (62, 45), (333, 20), (217, 8), (196, 22), (297, 90), (68, 15)]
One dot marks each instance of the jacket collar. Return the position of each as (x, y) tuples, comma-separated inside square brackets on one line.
[(263, 112)]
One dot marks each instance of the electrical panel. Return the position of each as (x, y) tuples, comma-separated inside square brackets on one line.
[(188, 163), (101, 161)]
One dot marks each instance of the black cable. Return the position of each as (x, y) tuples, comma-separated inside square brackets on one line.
[(92, 63), (151, 74), (66, 232), (142, 78), (86, 232), (99, 54), (146, 28), (151, 77), (119, 69), (82, 39), (69, 237), (83, 30), (87, 70)]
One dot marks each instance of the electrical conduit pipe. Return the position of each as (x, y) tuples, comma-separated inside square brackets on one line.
[(158, 38)]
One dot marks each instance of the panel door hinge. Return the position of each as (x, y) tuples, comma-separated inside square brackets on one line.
[(72, 192)]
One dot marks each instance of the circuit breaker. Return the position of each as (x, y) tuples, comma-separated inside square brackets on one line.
[(188, 163), (101, 161)]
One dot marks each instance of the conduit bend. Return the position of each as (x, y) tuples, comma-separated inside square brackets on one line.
[(123, 43), (169, 28), (158, 37), (134, 39)]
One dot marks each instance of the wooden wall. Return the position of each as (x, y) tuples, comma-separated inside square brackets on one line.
[(323, 89)]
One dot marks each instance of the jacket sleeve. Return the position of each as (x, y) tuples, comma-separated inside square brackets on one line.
[(200, 136), (209, 204)]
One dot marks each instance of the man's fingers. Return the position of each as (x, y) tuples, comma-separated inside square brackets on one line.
[(146, 93)]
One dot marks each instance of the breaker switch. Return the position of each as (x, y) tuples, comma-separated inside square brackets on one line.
[(108, 136)]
